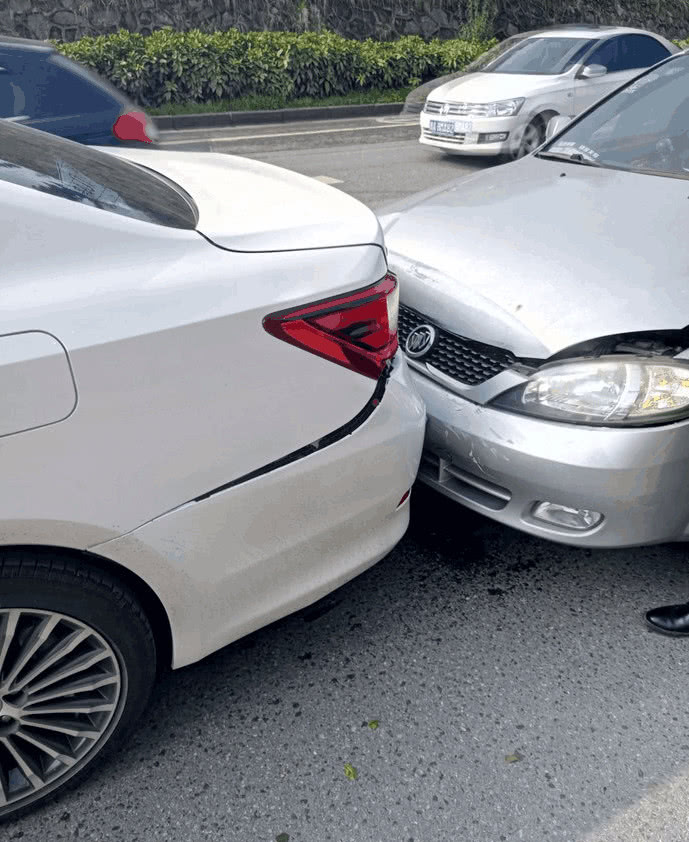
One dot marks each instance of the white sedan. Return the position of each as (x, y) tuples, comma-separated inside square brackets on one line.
[(503, 108), (206, 424)]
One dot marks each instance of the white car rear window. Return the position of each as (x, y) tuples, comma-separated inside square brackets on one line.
[(72, 171)]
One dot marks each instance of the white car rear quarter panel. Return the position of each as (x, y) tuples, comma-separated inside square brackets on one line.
[(180, 388), (249, 555)]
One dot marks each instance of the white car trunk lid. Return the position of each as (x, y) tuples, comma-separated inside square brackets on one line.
[(246, 205)]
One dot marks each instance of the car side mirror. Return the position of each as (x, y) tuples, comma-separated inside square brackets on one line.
[(555, 125), (593, 71)]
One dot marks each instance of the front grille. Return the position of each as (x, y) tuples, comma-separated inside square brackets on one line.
[(459, 139), (457, 109), (463, 359)]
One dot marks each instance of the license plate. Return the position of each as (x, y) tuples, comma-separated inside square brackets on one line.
[(443, 127), (448, 127)]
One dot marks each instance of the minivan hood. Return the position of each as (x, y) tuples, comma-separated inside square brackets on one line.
[(539, 255), (493, 87), (246, 205)]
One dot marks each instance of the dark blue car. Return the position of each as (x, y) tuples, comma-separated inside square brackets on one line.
[(43, 89)]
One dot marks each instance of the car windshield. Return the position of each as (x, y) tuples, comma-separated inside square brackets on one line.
[(542, 56), (495, 52), (642, 128)]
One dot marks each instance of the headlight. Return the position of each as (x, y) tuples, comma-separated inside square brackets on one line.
[(612, 391), (507, 108)]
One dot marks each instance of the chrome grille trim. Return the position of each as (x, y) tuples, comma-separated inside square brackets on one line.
[(457, 109)]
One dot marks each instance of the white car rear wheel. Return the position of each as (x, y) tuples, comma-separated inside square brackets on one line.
[(77, 662)]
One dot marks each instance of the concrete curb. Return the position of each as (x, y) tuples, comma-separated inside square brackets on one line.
[(281, 115)]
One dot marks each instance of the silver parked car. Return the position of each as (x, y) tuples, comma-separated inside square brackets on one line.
[(545, 313), (503, 106)]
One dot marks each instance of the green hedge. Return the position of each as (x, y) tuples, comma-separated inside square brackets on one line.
[(170, 66)]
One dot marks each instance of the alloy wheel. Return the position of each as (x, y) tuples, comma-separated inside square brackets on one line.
[(531, 139), (61, 694)]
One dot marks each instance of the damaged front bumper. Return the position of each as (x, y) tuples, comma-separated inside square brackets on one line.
[(504, 465)]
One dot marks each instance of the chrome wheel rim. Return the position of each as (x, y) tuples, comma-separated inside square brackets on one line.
[(61, 694)]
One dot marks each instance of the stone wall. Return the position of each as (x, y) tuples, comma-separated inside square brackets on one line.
[(666, 17), (382, 19)]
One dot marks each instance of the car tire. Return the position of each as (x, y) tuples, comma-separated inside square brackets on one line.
[(533, 137), (77, 664)]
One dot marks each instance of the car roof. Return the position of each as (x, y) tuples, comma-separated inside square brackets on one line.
[(589, 31), (46, 48), (7, 41)]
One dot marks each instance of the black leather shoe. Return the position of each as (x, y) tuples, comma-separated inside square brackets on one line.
[(670, 619)]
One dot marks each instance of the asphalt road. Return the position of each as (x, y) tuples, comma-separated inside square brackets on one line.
[(376, 159), (517, 692)]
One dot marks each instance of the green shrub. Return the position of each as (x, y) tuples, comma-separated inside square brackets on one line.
[(170, 66)]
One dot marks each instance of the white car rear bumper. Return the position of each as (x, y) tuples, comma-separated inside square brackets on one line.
[(244, 557)]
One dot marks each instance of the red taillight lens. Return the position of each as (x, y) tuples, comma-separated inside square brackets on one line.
[(132, 126), (357, 330)]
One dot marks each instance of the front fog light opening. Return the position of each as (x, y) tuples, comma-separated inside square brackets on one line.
[(555, 514), (493, 137)]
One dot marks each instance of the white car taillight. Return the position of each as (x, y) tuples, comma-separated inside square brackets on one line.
[(357, 330)]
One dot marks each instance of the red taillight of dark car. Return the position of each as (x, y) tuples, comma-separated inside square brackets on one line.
[(134, 125), (357, 330)]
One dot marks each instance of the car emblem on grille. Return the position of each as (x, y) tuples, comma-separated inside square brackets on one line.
[(420, 341), (445, 109)]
